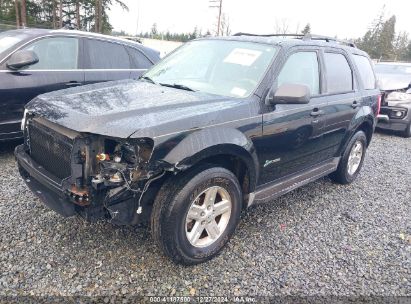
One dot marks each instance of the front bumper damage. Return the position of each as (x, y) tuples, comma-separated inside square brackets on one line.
[(387, 119), (118, 205), (395, 112)]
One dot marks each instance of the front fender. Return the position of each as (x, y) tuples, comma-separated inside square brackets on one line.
[(182, 152)]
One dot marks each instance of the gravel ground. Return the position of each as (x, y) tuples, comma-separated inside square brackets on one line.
[(322, 239)]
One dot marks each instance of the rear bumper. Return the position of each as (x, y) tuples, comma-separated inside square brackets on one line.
[(43, 185)]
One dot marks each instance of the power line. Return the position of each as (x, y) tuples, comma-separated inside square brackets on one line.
[(217, 4)]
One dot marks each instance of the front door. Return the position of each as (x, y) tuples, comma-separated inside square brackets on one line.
[(293, 133), (57, 69)]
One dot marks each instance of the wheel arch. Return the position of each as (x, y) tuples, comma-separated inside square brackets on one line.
[(226, 147), (363, 123)]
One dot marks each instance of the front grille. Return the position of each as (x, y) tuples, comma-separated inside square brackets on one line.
[(50, 149)]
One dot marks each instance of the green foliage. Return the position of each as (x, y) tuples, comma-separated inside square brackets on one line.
[(40, 13), (306, 30), (181, 37), (381, 41)]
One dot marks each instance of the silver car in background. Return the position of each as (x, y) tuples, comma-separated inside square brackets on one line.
[(395, 84)]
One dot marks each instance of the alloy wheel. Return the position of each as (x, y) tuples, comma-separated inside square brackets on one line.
[(208, 216)]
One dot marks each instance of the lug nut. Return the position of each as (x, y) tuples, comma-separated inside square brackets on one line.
[(202, 213)]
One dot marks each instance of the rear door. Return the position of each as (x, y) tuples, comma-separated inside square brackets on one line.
[(58, 68), (344, 97), (292, 133), (105, 61)]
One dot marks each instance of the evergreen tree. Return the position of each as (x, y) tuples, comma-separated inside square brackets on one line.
[(306, 30)]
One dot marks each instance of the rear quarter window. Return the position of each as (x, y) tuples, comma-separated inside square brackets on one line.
[(366, 71), (139, 60)]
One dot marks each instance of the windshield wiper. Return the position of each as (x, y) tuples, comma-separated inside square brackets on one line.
[(148, 79), (177, 86)]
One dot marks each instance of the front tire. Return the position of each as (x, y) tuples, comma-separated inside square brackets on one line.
[(352, 159), (195, 214)]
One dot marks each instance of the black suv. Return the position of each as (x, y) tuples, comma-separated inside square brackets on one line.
[(217, 126), (35, 61)]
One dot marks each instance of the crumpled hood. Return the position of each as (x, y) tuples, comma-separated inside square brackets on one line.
[(391, 82), (128, 107)]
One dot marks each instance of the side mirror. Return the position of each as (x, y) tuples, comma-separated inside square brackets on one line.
[(22, 59), (289, 93)]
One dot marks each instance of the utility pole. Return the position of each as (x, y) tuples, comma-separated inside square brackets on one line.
[(217, 4)]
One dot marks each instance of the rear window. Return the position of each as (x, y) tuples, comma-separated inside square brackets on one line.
[(106, 55), (339, 73), (366, 72)]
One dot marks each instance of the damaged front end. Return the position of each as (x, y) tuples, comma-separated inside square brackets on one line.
[(92, 175), (395, 109)]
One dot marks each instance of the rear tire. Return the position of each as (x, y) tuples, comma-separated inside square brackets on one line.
[(187, 228), (352, 160)]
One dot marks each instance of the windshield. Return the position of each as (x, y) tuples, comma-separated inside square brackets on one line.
[(393, 69), (228, 68), (10, 39)]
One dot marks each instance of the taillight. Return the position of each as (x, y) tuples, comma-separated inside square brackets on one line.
[(379, 104)]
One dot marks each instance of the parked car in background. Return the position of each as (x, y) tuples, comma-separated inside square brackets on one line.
[(215, 127), (36, 61), (395, 83)]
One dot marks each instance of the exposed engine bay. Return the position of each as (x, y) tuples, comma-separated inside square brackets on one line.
[(98, 174)]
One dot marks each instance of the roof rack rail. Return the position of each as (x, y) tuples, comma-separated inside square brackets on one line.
[(328, 39), (268, 35), (303, 37)]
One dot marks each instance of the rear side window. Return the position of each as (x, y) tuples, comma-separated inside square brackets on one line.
[(139, 61), (301, 68), (366, 72), (60, 53), (106, 55), (339, 74)]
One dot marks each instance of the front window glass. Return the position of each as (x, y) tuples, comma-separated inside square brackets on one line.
[(60, 53), (301, 68), (228, 68)]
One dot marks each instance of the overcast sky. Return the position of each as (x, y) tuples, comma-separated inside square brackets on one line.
[(342, 18)]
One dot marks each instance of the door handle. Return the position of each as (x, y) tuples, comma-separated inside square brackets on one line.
[(73, 83), (355, 104), (316, 112)]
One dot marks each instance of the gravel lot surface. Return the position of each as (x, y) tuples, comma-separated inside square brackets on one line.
[(322, 239)]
